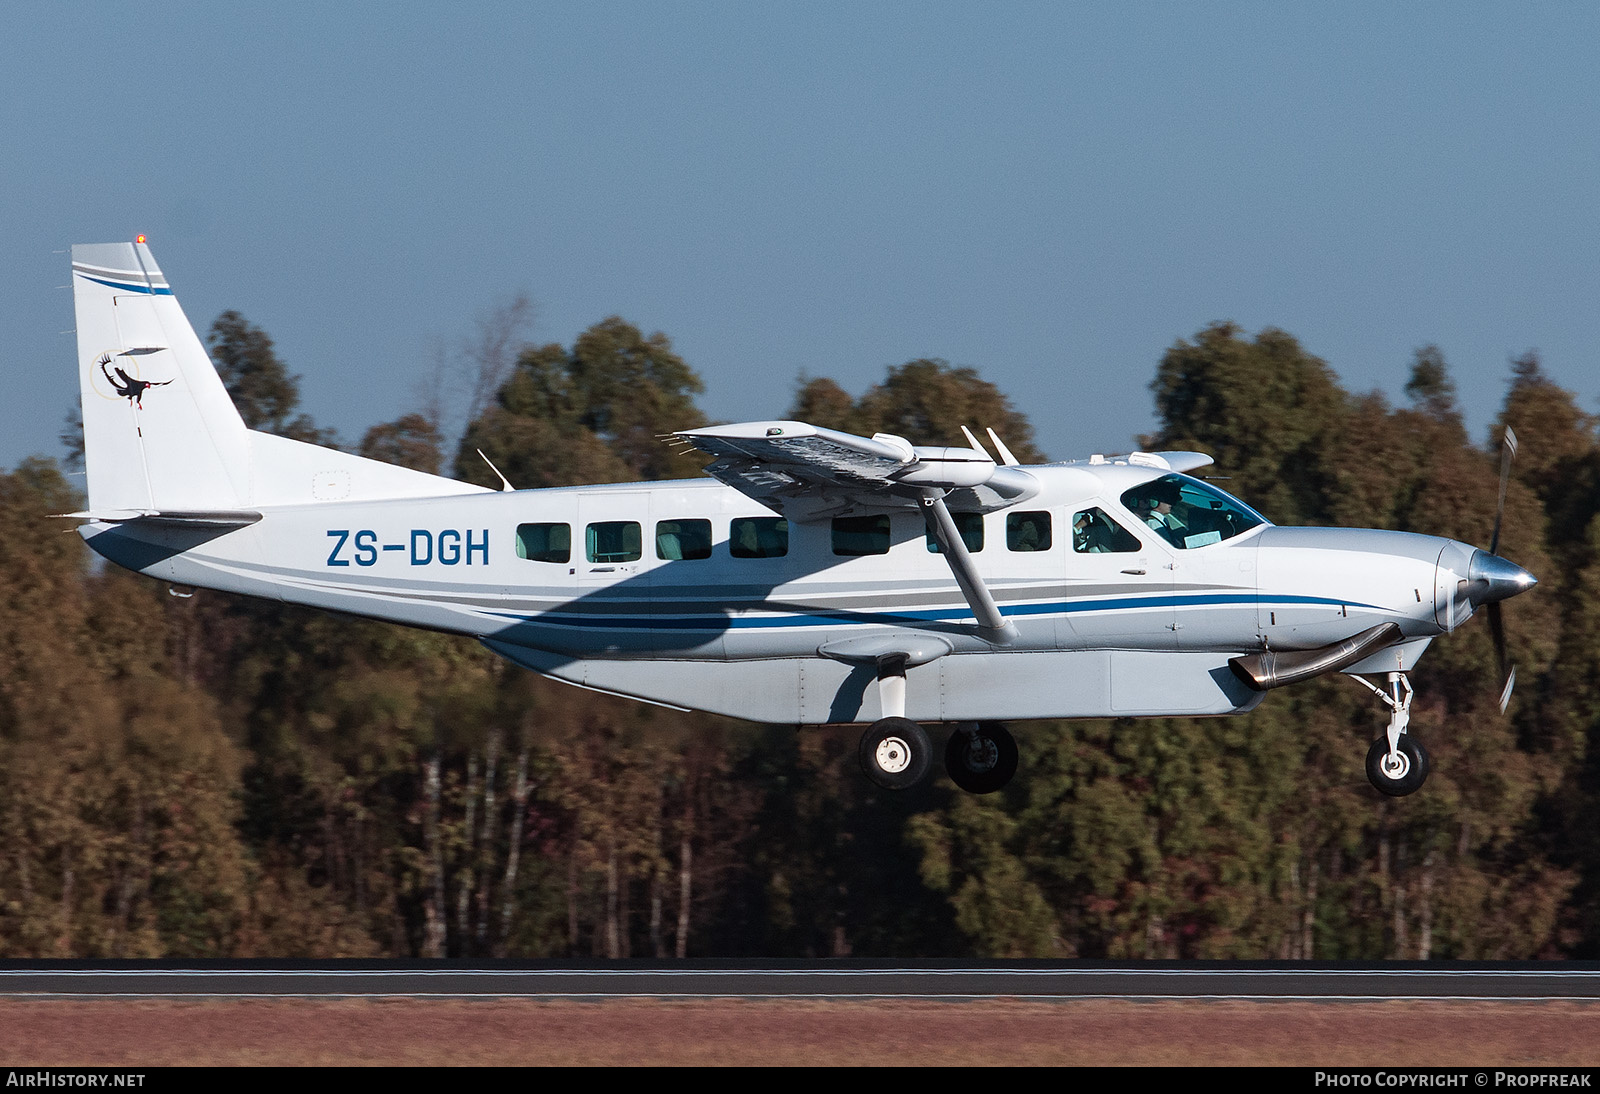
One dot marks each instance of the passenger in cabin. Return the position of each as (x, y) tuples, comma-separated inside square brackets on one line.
[(757, 537), (1028, 531), (747, 544), (1094, 533), (1081, 524)]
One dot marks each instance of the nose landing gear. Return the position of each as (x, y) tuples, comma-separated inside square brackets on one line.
[(1397, 764), (1399, 772)]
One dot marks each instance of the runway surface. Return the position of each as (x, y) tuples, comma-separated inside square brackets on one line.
[(1077, 982)]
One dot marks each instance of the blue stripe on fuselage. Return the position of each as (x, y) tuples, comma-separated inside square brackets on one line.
[(561, 618)]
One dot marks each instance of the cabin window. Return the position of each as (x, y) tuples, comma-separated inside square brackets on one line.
[(544, 542), (758, 537), (683, 539), (614, 541), (1094, 533), (1028, 531), (856, 536), (1187, 513), (970, 525)]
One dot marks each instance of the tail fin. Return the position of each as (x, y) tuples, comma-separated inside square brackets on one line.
[(159, 431)]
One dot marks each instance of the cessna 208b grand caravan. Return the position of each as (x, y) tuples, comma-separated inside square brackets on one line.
[(815, 577)]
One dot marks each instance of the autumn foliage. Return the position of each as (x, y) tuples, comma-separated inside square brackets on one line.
[(217, 777)]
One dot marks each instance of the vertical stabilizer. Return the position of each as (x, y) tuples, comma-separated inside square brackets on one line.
[(159, 430)]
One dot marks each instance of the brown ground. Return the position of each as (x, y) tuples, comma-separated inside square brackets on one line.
[(62, 1032)]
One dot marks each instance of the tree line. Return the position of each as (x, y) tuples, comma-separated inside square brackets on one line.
[(213, 776)]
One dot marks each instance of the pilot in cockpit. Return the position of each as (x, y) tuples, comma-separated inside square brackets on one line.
[(1155, 509)]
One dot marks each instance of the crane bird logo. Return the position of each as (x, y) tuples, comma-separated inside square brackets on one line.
[(128, 387)]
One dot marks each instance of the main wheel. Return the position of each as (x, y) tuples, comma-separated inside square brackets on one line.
[(895, 753), (1404, 772), (981, 760)]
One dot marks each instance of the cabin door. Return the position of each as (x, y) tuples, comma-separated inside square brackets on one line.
[(1119, 583)]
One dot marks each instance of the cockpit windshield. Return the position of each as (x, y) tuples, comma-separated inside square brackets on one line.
[(1187, 513)]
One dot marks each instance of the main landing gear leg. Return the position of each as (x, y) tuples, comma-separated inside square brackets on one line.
[(895, 751), (1397, 764)]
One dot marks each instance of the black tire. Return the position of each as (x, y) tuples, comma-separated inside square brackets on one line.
[(896, 753), (1407, 776), (983, 760)]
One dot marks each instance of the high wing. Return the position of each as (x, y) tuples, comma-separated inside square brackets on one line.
[(808, 473)]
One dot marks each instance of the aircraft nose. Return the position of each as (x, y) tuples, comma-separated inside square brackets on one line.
[(1491, 578)]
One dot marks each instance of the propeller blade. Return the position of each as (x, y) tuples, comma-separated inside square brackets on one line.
[(1508, 452), (1497, 635), (1497, 627), (1508, 672), (1505, 692)]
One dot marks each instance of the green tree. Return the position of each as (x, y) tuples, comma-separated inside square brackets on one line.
[(1265, 409), (969, 852), (927, 401), (410, 441), (266, 394), (1430, 386), (118, 785), (599, 412), (821, 402), (633, 390), (1559, 458)]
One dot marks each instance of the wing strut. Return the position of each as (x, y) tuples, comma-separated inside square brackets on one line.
[(995, 627)]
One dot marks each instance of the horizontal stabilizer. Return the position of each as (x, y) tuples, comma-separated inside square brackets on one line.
[(219, 518)]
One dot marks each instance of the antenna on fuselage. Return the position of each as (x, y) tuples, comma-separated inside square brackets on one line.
[(505, 482)]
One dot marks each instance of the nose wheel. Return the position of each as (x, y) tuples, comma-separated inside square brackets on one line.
[(1400, 771), (1397, 764)]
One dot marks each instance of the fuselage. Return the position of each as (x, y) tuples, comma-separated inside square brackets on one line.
[(610, 586)]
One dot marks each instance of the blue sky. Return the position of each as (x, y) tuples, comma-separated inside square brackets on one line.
[(1052, 193)]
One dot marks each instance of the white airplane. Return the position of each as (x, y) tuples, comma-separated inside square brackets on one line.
[(817, 577)]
